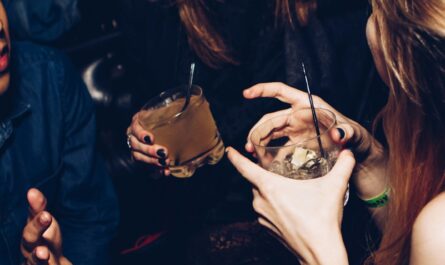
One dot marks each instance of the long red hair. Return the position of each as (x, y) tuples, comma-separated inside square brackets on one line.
[(412, 40)]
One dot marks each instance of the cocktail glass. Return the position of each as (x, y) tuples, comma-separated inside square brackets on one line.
[(288, 145)]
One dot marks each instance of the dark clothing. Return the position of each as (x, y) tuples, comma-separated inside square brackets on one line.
[(161, 58), (332, 46), (47, 141), (41, 21)]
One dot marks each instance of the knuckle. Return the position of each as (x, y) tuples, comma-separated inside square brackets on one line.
[(25, 236), (135, 117), (134, 142), (256, 204), (136, 156), (146, 150), (261, 221), (317, 99), (266, 117)]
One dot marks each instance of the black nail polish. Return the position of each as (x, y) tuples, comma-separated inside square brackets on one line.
[(161, 153), (162, 161), (147, 139), (341, 132)]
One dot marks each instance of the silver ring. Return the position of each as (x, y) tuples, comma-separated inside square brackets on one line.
[(129, 141)]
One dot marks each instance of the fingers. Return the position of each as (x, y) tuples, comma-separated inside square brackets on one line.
[(142, 147), (165, 171), (356, 138), (342, 133), (53, 236), (249, 145), (279, 91), (37, 202), (155, 151), (252, 172), (160, 162), (41, 255), (343, 168), (138, 131), (34, 229)]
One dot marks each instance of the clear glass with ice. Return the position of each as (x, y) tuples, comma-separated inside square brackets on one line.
[(288, 144)]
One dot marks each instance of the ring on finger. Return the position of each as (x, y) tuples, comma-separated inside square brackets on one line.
[(129, 141)]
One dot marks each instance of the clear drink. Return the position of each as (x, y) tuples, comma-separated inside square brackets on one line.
[(191, 136), (289, 146), (304, 164)]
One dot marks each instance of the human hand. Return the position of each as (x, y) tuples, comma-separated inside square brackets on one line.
[(370, 173), (142, 148), (305, 214), (41, 237)]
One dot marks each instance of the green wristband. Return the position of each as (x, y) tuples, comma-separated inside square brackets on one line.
[(378, 201)]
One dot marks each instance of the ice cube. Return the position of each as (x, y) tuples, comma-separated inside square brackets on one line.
[(302, 155)]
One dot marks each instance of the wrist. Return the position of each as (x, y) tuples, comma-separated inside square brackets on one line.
[(330, 250), (370, 181), (371, 191)]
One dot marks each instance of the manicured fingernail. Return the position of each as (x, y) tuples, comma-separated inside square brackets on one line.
[(161, 153), (341, 132), (162, 161), (147, 139), (226, 150)]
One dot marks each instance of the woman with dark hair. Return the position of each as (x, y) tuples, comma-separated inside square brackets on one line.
[(239, 43), (402, 185), (235, 44)]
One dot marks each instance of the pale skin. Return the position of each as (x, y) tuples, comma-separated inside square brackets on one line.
[(41, 237), (144, 147)]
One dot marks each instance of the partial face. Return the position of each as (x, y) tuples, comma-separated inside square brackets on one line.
[(4, 51), (373, 36)]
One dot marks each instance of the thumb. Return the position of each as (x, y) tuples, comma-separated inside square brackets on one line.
[(343, 168), (36, 200), (250, 171)]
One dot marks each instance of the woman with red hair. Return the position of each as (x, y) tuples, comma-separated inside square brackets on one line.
[(403, 185)]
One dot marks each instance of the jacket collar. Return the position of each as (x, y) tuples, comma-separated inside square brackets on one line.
[(18, 110)]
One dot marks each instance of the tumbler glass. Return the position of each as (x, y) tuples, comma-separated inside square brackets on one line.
[(190, 134)]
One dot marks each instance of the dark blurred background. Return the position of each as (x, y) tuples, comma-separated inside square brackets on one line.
[(91, 34)]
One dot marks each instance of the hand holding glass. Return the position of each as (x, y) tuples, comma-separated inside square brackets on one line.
[(288, 144), (190, 135)]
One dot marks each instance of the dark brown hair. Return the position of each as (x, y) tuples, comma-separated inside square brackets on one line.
[(203, 38), (209, 44), (287, 10)]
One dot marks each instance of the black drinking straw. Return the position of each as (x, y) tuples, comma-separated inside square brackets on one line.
[(314, 115), (189, 87)]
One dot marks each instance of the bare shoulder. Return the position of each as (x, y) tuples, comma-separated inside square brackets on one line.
[(428, 237)]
